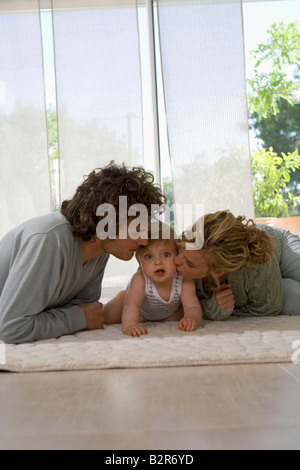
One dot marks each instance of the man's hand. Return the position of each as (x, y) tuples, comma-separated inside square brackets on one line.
[(94, 315), (224, 297)]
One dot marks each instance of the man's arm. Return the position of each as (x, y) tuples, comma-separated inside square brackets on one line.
[(88, 300), (32, 285), (191, 307), (133, 301)]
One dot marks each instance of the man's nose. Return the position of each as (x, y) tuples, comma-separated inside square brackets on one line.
[(142, 241)]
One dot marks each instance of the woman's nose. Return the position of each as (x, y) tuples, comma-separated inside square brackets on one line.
[(178, 259)]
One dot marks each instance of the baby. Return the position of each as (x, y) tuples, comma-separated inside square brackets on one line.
[(156, 292)]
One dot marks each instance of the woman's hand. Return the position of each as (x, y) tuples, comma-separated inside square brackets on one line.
[(224, 297)]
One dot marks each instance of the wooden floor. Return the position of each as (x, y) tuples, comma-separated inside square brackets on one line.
[(215, 407)]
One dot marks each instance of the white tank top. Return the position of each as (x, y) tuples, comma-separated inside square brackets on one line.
[(154, 308)]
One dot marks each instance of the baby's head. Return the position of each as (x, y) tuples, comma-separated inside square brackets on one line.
[(157, 259)]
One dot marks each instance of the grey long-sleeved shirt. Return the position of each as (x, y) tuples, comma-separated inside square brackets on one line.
[(43, 282)]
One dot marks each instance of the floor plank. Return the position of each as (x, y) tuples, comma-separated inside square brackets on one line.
[(226, 407), (292, 370)]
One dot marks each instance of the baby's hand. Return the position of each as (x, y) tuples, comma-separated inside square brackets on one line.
[(187, 324), (135, 330)]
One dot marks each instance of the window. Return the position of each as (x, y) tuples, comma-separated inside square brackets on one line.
[(144, 123), (151, 85)]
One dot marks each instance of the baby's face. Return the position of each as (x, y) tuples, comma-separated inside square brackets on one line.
[(158, 261)]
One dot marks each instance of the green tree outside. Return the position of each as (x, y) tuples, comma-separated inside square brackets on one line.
[(280, 55), (271, 177), (275, 118)]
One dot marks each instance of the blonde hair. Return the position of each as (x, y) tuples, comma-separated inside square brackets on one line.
[(234, 242)]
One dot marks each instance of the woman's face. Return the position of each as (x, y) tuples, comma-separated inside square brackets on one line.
[(192, 263)]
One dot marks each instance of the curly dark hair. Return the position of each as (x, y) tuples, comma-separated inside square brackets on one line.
[(105, 185)]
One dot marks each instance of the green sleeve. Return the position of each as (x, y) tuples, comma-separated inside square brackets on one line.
[(257, 292), (212, 311)]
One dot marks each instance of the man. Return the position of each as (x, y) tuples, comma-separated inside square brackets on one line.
[(51, 267)]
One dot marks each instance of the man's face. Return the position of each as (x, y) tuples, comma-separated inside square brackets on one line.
[(124, 249)]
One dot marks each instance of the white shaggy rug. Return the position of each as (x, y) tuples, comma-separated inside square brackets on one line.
[(236, 341)]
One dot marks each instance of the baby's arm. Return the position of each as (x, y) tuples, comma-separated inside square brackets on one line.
[(131, 312), (191, 307)]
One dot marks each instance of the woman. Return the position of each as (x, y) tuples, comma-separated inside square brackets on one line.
[(244, 269)]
